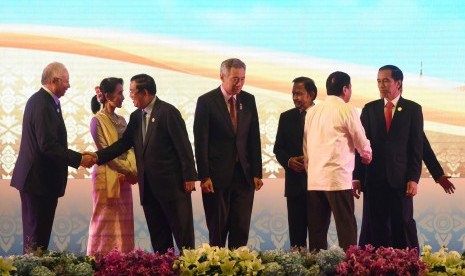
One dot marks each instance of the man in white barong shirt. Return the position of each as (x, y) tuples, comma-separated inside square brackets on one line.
[(332, 133)]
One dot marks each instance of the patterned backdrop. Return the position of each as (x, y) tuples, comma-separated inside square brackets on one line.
[(439, 216)]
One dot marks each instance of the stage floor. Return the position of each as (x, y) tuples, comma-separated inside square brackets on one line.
[(440, 218)]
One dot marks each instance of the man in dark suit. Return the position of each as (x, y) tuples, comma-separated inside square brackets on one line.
[(41, 170), (288, 150), (165, 165), (437, 172), (228, 155), (394, 127)]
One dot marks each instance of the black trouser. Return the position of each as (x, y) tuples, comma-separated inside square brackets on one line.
[(38, 213), (168, 219), (297, 220), (228, 212)]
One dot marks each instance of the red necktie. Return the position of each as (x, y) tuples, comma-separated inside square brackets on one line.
[(388, 115), (232, 112)]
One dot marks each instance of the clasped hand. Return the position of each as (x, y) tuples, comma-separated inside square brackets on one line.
[(88, 159), (297, 164)]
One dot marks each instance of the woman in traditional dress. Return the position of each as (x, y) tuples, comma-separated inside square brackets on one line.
[(112, 223)]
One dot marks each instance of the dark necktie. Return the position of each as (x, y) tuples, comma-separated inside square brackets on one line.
[(144, 125), (388, 115), (233, 113), (59, 110), (302, 118)]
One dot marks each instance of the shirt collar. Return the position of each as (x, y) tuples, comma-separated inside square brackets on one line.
[(394, 101), (226, 95), (148, 109), (55, 98), (308, 108)]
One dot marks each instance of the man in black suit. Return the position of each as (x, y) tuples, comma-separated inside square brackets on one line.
[(394, 127), (41, 170), (288, 150), (228, 155), (437, 172), (165, 165)]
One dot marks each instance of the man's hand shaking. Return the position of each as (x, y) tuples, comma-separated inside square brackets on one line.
[(88, 159)]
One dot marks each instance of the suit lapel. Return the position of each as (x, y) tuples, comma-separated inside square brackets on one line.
[(379, 113), (397, 112), (151, 129), (221, 103), (53, 104)]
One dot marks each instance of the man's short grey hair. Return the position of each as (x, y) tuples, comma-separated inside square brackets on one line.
[(52, 70), (231, 63)]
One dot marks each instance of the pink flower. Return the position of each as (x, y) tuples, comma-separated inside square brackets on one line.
[(380, 261)]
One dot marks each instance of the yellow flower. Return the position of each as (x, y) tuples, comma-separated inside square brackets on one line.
[(189, 257), (6, 265), (227, 268)]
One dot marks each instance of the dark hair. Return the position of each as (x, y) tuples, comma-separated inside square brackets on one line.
[(396, 73), (144, 81), (309, 85), (336, 82), (107, 87)]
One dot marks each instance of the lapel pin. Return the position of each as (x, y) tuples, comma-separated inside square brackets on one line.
[(58, 110), (240, 106), (153, 120), (399, 109)]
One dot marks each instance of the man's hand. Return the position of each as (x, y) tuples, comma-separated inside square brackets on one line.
[(131, 178), (207, 185), (356, 188), (446, 184), (189, 186), (88, 159), (296, 163), (412, 188), (258, 183), (366, 158)]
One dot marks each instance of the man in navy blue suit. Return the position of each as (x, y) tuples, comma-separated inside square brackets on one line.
[(41, 170), (394, 126)]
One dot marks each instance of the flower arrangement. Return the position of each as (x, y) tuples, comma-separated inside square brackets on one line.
[(295, 262), (301, 262), (213, 260), (381, 261), (136, 262), (51, 263), (208, 260), (443, 262), (328, 260)]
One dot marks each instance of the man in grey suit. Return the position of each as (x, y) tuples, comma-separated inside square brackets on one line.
[(41, 170), (165, 165), (228, 155)]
